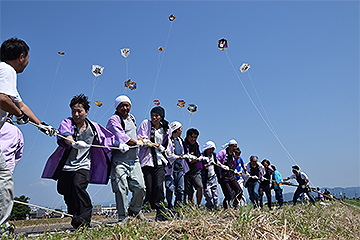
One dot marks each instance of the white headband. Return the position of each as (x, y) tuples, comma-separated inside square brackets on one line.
[(120, 99)]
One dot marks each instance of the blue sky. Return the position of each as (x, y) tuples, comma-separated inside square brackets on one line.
[(304, 58)]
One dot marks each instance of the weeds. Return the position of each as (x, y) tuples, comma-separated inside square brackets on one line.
[(335, 221)]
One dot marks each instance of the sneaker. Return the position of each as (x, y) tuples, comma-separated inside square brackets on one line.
[(139, 215)]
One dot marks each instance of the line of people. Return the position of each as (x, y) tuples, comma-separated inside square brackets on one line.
[(147, 157)]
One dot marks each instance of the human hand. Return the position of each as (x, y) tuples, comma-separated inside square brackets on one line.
[(79, 145), (22, 119)]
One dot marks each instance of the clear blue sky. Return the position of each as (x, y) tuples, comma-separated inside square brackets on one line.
[(304, 58)]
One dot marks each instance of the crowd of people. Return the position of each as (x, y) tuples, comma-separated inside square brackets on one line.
[(151, 160)]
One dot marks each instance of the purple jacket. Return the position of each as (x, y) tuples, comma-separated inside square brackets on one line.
[(100, 157), (145, 156), (221, 156)]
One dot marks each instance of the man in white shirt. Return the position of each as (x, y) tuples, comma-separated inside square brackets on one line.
[(303, 182), (14, 59)]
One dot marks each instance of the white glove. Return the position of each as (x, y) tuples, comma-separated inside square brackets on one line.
[(237, 172), (255, 177), (184, 156), (226, 168), (161, 148), (192, 157), (148, 143), (202, 158), (47, 129), (80, 145), (124, 147)]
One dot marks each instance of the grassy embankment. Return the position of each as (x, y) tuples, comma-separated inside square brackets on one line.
[(334, 221)]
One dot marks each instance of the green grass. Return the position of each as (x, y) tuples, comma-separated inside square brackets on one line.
[(334, 221), (353, 202)]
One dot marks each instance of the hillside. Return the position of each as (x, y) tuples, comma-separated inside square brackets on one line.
[(334, 220)]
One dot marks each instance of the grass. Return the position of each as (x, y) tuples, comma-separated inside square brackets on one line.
[(353, 202), (334, 221)]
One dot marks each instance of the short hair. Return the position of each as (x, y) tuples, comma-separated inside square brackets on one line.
[(192, 131), (253, 156), (80, 99), (237, 150), (12, 49), (273, 167), (265, 160), (295, 167)]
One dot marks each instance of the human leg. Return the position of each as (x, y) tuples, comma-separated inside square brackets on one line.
[(227, 191), (170, 187), (238, 192), (148, 178), (118, 175), (297, 193), (64, 187), (278, 196), (178, 177), (261, 194), (267, 190), (137, 187), (83, 201), (6, 190)]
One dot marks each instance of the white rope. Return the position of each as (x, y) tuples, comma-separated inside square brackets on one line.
[(73, 141), (32, 205)]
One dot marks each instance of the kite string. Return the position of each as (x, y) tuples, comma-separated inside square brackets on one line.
[(262, 106), (20, 165), (242, 84), (93, 89), (159, 69)]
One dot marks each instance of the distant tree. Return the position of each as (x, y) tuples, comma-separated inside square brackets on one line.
[(20, 211)]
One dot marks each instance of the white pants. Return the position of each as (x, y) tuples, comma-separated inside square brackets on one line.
[(6, 190)]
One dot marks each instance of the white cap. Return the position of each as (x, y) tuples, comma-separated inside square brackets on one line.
[(120, 99), (231, 142), (175, 125), (209, 144)]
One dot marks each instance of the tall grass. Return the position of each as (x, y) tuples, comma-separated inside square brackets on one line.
[(334, 221)]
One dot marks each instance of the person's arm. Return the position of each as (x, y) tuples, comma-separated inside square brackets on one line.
[(23, 107), (8, 105)]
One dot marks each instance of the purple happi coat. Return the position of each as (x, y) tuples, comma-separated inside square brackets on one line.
[(100, 157)]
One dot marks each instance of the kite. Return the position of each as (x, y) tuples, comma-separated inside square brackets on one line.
[(61, 53), (222, 44), (125, 52), (160, 49), (172, 17), (157, 102), (97, 70), (130, 84), (245, 67), (98, 103), (181, 103), (192, 108)]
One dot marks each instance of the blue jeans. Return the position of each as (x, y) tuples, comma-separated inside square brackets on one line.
[(279, 196), (178, 176), (301, 190), (253, 189), (170, 187)]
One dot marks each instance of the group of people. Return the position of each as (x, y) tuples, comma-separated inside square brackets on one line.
[(152, 161)]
